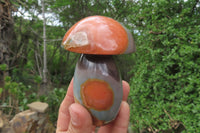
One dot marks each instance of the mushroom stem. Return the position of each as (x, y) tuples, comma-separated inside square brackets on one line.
[(98, 86)]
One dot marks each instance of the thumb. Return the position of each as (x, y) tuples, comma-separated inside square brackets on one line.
[(81, 121)]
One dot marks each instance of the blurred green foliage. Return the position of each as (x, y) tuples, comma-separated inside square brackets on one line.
[(20, 95), (3, 67), (166, 72)]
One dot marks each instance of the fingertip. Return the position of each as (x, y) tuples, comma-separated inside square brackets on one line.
[(122, 121), (81, 120), (80, 114), (126, 90), (120, 124), (123, 116), (126, 85), (125, 107), (75, 115), (70, 89)]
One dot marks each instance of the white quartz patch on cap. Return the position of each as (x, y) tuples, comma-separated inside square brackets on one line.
[(76, 40)]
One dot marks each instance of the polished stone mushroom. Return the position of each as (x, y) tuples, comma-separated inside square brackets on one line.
[(97, 81)]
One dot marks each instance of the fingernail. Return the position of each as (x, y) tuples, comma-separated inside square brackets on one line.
[(74, 116)]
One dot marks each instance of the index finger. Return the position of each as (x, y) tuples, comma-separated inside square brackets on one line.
[(63, 114)]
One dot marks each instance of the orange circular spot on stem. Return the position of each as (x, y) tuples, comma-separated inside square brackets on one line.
[(97, 94)]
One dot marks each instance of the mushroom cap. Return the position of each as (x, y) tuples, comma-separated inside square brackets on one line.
[(98, 35)]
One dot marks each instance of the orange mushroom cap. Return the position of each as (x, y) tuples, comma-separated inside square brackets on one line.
[(98, 35)]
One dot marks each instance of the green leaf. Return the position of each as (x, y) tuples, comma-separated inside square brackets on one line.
[(3, 67)]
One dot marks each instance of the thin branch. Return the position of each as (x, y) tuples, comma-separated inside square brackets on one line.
[(44, 41), (168, 114), (37, 60), (8, 106), (155, 33), (54, 40)]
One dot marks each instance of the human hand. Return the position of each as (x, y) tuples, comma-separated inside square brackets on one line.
[(74, 118)]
